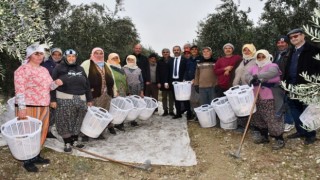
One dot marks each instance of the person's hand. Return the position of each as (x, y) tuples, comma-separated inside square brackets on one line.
[(141, 94), (147, 83), (89, 104), (192, 81), (254, 81), (159, 85), (58, 82), (22, 114), (166, 85), (53, 105), (226, 73), (228, 68), (196, 88)]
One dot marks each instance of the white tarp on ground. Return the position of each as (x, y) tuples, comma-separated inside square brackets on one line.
[(162, 140)]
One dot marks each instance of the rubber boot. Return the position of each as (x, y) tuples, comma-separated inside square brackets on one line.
[(279, 144), (29, 166), (264, 139), (67, 144), (75, 142), (40, 160)]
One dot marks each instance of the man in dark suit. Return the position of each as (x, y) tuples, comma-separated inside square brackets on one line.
[(301, 59), (177, 68)]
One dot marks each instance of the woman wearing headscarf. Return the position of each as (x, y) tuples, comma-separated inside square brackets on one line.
[(134, 79), (101, 81), (120, 80), (32, 84), (268, 118), (248, 52), (71, 99), (241, 68)]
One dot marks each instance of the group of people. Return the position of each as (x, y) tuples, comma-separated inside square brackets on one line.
[(65, 88)]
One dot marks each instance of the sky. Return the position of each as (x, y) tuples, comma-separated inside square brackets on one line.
[(166, 23)]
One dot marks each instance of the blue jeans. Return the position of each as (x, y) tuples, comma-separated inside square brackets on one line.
[(206, 95), (288, 119), (296, 108)]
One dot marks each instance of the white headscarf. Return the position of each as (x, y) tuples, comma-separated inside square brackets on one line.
[(267, 60), (132, 65)]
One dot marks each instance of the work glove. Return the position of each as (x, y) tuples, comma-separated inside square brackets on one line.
[(254, 81), (196, 88)]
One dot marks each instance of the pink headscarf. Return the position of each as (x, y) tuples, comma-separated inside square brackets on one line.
[(92, 57)]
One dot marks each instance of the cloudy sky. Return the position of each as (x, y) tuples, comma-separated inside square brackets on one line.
[(166, 23)]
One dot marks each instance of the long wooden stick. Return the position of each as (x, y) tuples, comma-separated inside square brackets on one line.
[(237, 154), (146, 166)]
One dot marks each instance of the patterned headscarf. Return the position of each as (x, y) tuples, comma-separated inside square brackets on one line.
[(95, 59)]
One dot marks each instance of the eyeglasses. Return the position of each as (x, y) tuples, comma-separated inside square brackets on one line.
[(294, 36), (98, 53)]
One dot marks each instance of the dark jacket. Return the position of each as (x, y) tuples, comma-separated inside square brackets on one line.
[(74, 80), (306, 63), (163, 72), (50, 64), (182, 70), (282, 61), (95, 80), (191, 66)]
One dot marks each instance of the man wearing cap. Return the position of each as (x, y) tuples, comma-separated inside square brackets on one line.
[(223, 67), (205, 79), (281, 58), (301, 59), (186, 51)]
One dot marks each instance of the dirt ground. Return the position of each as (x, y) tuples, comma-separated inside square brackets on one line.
[(212, 147)]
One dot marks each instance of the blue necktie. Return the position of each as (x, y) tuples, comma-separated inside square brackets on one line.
[(175, 72)]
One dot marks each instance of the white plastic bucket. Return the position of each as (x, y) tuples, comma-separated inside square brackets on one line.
[(95, 121), (119, 109), (241, 99), (11, 103), (151, 105), (23, 137), (138, 105), (311, 117), (182, 90), (206, 116), (223, 109), (229, 125)]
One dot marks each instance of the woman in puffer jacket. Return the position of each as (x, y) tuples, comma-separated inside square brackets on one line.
[(268, 118)]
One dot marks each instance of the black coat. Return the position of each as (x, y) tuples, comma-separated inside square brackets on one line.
[(306, 63), (182, 69), (163, 73)]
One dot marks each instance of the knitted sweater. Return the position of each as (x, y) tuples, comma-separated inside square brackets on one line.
[(204, 74)]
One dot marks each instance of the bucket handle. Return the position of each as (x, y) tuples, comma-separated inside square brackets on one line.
[(136, 96), (215, 100), (235, 87), (103, 110), (129, 100), (153, 99), (205, 105)]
